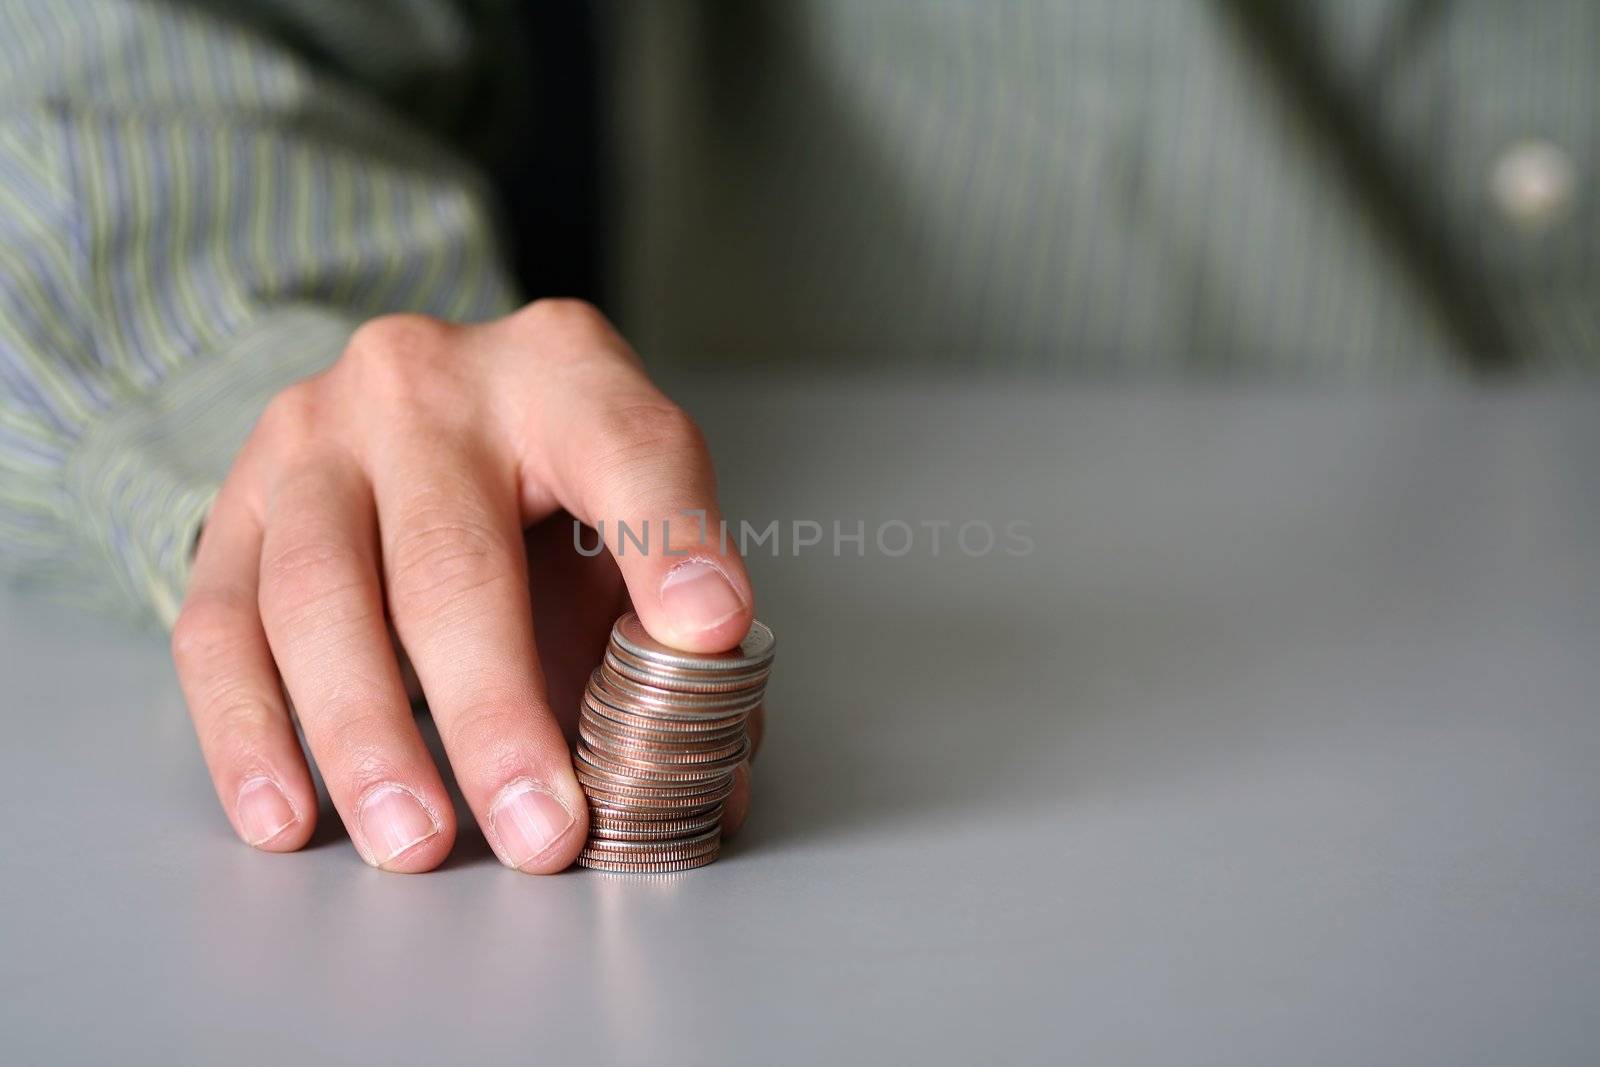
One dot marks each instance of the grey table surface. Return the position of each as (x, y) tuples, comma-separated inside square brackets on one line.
[(1280, 747)]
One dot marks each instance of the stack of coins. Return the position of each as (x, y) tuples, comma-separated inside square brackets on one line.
[(659, 735)]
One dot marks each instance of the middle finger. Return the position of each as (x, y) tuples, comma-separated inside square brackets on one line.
[(457, 578)]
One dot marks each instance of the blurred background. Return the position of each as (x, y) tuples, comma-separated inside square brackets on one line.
[(1362, 189)]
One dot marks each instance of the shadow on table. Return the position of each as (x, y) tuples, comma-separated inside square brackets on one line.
[(909, 717)]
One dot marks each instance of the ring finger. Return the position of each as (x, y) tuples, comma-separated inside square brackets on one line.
[(322, 608)]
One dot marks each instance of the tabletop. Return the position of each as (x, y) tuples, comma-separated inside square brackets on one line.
[(1264, 731)]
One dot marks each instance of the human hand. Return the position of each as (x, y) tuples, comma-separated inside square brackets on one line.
[(396, 489)]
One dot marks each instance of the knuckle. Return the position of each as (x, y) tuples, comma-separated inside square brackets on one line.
[(647, 428), (492, 730), (444, 558), (394, 357), (307, 574), (207, 626), (292, 414), (236, 721), (362, 737), (566, 314), (569, 334), (388, 337), (361, 745)]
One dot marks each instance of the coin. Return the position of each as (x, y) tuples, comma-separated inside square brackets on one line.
[(629, 793), (756, 650), (615, 829), (618, 691), (657, 772), (610, 812), (660, 734), (669, 813), (611, 774), (621, 867), (609, 741), (681, 681), (702, 729), (655, 795), (745, 678), (662, 856), (646, 717), (655, 851), (643, 849), (634, 730)]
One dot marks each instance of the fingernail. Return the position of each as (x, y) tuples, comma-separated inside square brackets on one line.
[(264, 812), (393, 820), (527, 820), (698, 596)]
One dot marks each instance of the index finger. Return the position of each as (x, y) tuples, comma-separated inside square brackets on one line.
[(612, 449)]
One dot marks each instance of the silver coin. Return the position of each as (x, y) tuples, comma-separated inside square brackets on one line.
[(668, 740), (638, 718), (631, 791), (660, 855), (671, 867), (729, 680), (607, 741), (622, 691), (655, 773), (684, 681), (681, 844), (666, 807), (643, 728), (665, 717), (611, 829), (756, 650), (697, 792), (607, 812)]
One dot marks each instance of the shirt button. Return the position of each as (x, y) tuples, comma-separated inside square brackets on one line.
[(1533, 182)]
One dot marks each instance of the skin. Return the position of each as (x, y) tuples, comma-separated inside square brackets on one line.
[(414, 503)]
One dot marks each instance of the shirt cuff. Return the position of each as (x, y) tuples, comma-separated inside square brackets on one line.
[(141, 481)]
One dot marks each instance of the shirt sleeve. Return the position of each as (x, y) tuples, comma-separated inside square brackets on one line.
[(192, 216)]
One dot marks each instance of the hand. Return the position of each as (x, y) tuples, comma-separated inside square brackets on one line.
[(396, 489)]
